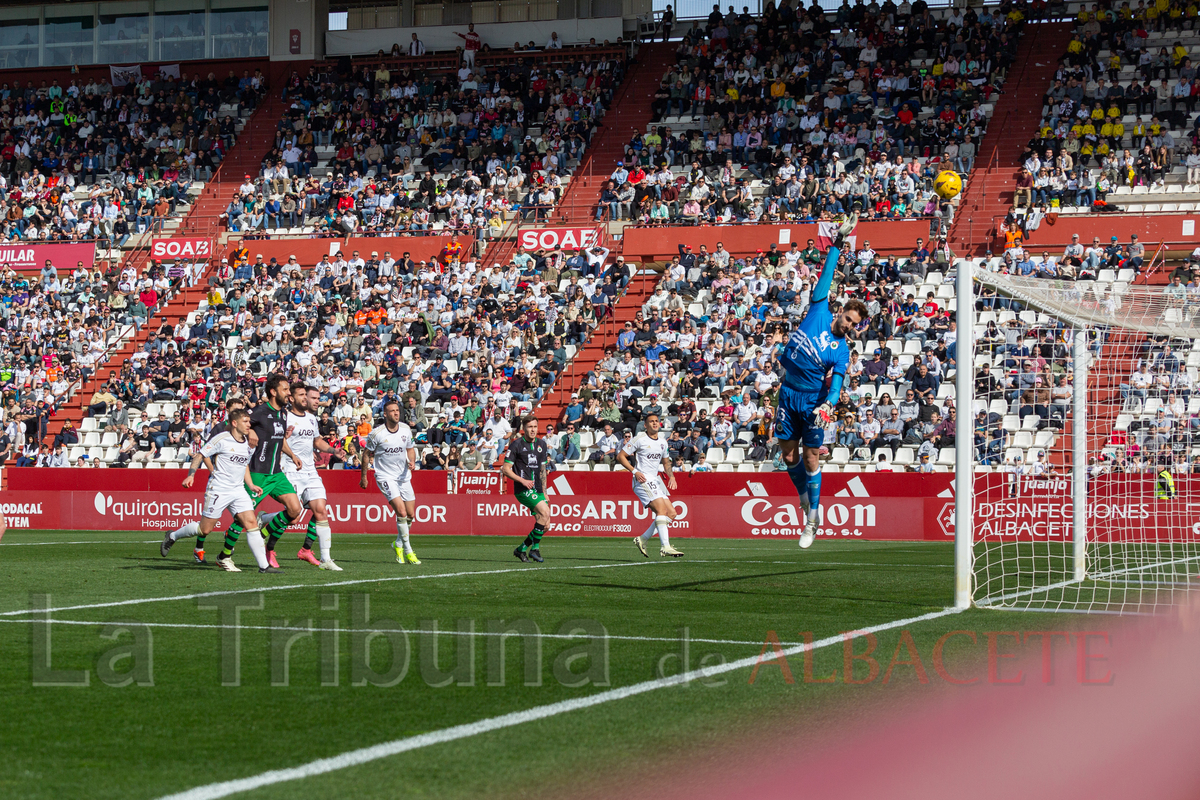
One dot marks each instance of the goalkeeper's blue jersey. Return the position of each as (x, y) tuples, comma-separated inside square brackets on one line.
[(812, 351)]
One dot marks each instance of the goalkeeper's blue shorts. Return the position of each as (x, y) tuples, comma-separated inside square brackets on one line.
[(794, 418)]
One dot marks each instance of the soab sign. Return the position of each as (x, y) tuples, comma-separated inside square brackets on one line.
[(181, 248), (554, 238)]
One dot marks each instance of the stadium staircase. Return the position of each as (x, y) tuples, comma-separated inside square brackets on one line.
[(244, 158), (630, 112), (603, 339), (991, 186)]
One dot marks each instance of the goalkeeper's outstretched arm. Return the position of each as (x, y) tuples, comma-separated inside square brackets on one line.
[(825, 280)]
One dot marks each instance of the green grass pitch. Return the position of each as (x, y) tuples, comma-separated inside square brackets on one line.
[(184, 729)]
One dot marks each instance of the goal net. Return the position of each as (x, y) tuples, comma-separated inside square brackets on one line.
[(1083, 498)]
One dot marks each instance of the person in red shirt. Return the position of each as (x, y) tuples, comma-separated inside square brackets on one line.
[(471, 44)]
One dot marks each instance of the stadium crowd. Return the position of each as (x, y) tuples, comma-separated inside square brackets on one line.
[(408, 150), (796, 115), (58, 327), (136, 149), (462, 345)]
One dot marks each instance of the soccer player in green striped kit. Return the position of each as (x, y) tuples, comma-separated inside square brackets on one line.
[(268, 435), (525, 465)]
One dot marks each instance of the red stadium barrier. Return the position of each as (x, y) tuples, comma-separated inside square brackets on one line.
[(722, 505)]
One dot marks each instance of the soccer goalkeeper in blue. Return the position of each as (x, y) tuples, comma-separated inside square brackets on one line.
[(816, 349)]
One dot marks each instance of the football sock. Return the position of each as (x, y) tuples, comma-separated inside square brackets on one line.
[(402, 534), (310, 535), (534, 539), (231, 540), (325, 536), (276, 527), (186, 532), (662, 524), (814, 494), (200, 541), (651, 530), (255, 540), (799, 477)]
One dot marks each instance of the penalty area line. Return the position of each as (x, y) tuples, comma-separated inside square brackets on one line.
[(357, 582), (365, 755)]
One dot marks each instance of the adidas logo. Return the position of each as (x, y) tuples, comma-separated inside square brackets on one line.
[(855, 488), (559, 486)]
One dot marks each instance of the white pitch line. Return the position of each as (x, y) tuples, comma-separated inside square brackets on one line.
[(805, 562), (414, 631), (91, 541), (425, 576), (365, 755), (994, 602)]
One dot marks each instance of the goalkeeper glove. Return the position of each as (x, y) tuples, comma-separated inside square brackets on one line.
[(823, 412)]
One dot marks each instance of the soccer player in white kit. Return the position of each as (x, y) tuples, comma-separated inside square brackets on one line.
[(303, 436), (390, 446), (650, 454), (227, 456)]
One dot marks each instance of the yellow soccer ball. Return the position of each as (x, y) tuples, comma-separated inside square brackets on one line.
[(947, 185)]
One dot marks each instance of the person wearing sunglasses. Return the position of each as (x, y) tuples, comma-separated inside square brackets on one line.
[(818, 347)]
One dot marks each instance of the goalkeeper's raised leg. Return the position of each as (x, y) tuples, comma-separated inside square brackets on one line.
[(817, 348)]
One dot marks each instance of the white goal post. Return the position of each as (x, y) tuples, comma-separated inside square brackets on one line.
[(1080, 496)]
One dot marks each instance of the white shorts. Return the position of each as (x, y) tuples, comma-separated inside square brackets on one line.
[(309, 486), (393, 488), (651, 490), (235, 501)]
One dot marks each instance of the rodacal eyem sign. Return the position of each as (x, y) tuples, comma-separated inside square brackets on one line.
[(181, 248), (554, 238)]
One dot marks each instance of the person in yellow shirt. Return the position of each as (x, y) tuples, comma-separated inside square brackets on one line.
[(778, 88), (1179, 53), (1114, 112), (1102, 150), (1085, 154), (1118, 132), (1076, 46), (1114, 67), (1097, 114)]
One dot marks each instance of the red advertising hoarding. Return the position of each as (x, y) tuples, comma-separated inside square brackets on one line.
[(31, 257), (554, 238), (183, 247), (866, 506)]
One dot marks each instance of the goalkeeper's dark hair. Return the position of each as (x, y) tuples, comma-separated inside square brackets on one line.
[(856, 305)]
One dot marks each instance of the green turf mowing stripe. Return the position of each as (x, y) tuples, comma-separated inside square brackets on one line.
[(367, 754), (358, 582), (340, 631)]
